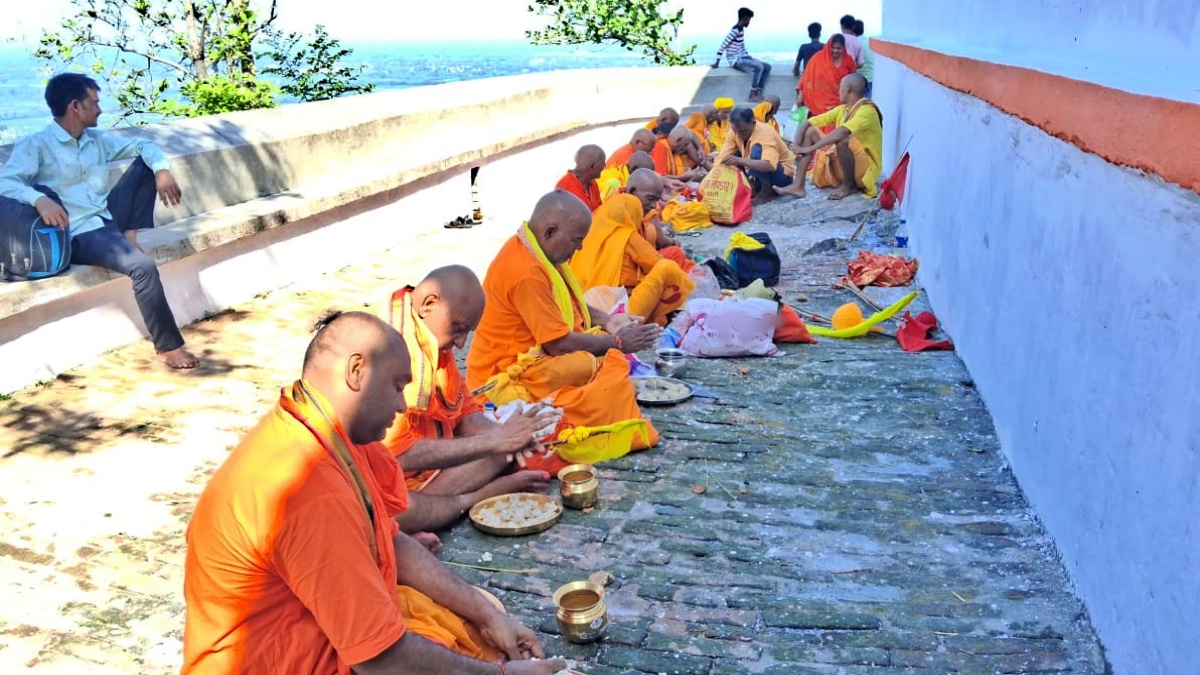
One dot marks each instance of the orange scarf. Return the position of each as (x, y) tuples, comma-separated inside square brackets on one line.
[(598, 263), (822, 80)]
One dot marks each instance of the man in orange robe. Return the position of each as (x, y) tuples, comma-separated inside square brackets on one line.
[(688, 151), (581, 181), (539, 339), (294, 562), (765, 112), (614, 253), (642, 141), (444, 442), (613, 179), (698, 123), (647, 186)]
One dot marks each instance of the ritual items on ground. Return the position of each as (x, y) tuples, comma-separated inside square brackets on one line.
[(753, 256), (865, 326), (661, 391), (872, 269), (515, 514), (579, 486), (913, 334), (580, 611), (670, 361)]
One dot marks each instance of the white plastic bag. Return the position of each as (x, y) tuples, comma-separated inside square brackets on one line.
[(730, 327), (706, 283), (608, 299)]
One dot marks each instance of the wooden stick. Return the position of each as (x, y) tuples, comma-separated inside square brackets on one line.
[(809, 316), (853, 288), (863, 223)]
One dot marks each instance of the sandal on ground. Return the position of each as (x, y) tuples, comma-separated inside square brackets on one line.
[(459, 223)]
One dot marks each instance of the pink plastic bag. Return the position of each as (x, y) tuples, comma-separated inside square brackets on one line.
[(730, 327)]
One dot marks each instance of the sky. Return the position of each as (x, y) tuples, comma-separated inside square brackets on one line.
[(372, 20)]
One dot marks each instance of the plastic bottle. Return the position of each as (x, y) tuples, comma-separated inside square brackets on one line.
[(902, 234), (489, 409)]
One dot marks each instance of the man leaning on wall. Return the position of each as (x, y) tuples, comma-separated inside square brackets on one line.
[(60, 174)]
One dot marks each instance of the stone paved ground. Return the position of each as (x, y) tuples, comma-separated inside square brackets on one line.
[(858, 516)]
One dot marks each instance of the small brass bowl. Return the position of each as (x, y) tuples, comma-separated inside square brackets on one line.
[(581, 612), (579, 486), (670, 362)]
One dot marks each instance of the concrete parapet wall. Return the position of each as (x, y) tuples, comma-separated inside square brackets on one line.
[(1069, 286), (298, 168)]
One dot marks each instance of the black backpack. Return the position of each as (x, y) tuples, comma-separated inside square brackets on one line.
[(726, 277), (759, 264), (29, 248)]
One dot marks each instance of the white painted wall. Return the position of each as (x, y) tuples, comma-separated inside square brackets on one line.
[(1143, 46), (1071, 290)]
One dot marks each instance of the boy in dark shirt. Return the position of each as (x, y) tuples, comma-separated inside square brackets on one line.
[(809, 50)]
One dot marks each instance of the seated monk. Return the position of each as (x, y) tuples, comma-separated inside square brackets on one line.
[(718, 129), (689, 155), (294, 562), (538, 338), (765, 111), (642, 141), (667, 117), (612, 180), (856, 142), (647, 186), (698, 123), (667, 164), (755, 148), (444, 442), (581, 181), (615, 254)]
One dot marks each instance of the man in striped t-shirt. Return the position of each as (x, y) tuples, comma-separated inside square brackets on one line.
[(734, 49)]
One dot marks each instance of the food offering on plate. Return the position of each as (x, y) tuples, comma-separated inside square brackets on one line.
[(661, 390), (516, 514)]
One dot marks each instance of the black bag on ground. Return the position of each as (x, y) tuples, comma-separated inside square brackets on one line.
[(762, 263), (29, 248), (726, 278)]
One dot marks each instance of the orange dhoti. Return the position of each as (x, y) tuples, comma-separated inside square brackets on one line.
[(438, 624), (660, 292)]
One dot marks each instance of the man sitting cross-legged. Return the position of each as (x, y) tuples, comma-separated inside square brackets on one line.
[(614, 253), (294, 562), (758, 150), (444, 441), (857, 144), (538, 338)]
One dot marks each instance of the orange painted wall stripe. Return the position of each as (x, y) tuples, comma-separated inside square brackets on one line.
[(1154, 134)]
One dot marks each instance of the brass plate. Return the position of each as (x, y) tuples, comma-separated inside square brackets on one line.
[(549, 512), (640, 384)]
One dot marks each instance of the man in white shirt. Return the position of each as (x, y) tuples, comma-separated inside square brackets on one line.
[(734, 49), (61, 174), (853, 44)]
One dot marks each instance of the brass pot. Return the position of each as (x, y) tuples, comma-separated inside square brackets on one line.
[(579, 486), (581, 612)]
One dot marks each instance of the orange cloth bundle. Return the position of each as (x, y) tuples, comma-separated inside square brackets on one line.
[(880, 270)]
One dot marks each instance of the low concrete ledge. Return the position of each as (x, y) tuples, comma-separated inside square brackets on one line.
[(246, 173)]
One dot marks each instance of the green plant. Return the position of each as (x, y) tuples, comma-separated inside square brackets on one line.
[(313, 70), (632, 24)]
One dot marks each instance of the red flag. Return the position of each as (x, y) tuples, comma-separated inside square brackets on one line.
[(891, 191)]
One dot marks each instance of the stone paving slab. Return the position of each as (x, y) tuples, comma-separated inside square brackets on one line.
[(857, 515)]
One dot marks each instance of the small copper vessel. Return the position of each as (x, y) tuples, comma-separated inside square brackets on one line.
[(579, 486), (581, 612)]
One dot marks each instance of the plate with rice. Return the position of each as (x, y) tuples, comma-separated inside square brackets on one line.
[(516, 514)]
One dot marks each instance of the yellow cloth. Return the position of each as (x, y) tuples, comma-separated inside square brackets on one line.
[(699, 127), (438, 624), (592, 445), (740, 241), (760, 114), (849, 315), (723, 103), (684, 216), (863, 121), (865, 327), (717, 133), (562, 280), (598, 262), (662, 290), (611, 181)]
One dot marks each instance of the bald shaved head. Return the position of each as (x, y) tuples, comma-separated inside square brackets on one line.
[(681, 138), (360, 365), (668, 116), (559, 222), (643, 140), (589, 162), (647, 186), (710, 113), (774, 101), (449, 301), (640, 160), (855, 85)]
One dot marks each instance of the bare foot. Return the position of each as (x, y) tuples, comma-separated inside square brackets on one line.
[(131, 235), (841, 193), (521, 481), (180, 359), (763, 197), (796, 189), (429, 540)]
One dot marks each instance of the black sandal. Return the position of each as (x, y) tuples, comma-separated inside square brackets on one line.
[(459, 223)]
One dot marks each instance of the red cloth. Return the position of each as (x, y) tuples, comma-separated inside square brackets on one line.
[(880, 270), (891, 191), (789, 327), (913, 334), (675, 253), (590, 196)]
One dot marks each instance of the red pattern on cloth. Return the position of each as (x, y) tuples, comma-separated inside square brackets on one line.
[(913, 334), (880, 270)]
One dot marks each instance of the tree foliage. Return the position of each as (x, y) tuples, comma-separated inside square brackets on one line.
[(633, 24), (193, 57)]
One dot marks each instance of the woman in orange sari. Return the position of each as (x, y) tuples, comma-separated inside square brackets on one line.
[(822, 80)]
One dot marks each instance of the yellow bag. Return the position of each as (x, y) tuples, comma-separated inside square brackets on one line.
[(686, 216), (727, 195)]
